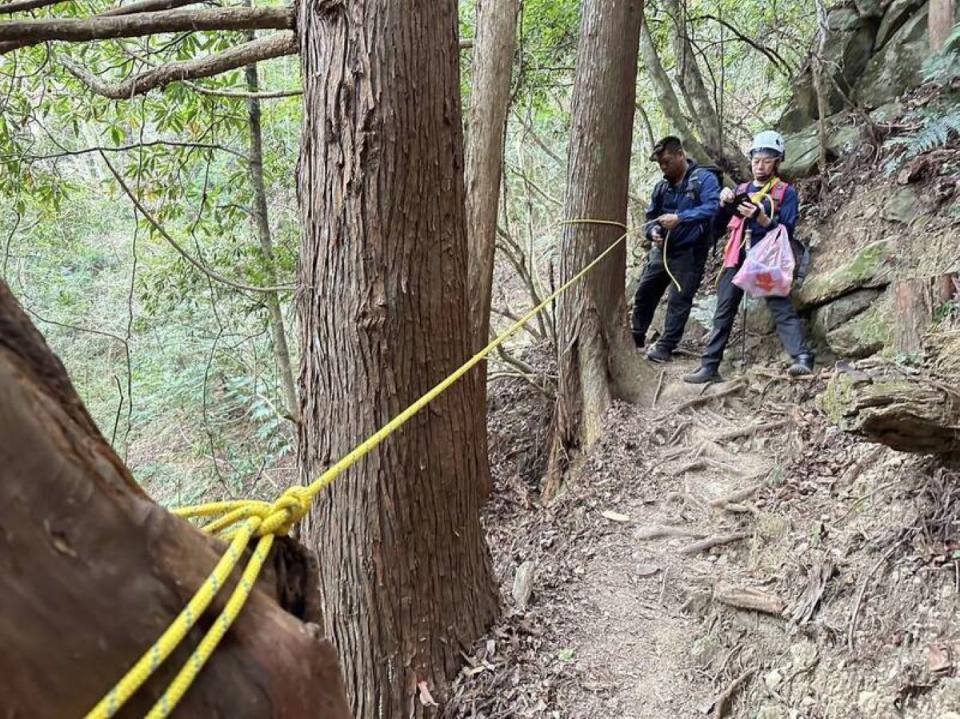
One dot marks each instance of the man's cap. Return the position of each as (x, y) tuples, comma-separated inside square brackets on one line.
[(671, 143)]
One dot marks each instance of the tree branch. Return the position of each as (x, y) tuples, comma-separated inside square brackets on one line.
[(135, 146), (151, 23), (131, 9), (254, 51), (147, 6), (772, 55), (176, 245), (24, 5), (242, 94)]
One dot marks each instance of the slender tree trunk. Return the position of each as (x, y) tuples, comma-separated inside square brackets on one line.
[(940, 22), (706, 119), (596, 359), (490, 99), (669, 103), (92, 572), (262, 220), (821, 92), (405, 576), (690, 79)]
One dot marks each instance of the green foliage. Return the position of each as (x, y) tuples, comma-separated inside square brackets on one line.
[(938, 120)]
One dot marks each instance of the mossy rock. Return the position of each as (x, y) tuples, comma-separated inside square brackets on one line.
[(834, 314), (872, 267), (803, 151), (837, 398), (864, 335)]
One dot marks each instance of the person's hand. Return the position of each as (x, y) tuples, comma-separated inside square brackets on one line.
[(668, 221), (727, 196), (754, 212)]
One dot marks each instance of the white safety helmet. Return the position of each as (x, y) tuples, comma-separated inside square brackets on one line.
[(770, 141)]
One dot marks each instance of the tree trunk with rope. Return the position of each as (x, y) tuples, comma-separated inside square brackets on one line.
[(405, 575), (92, 571), (596, 357)]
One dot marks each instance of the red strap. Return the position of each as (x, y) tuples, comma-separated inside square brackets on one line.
[(779, 191)]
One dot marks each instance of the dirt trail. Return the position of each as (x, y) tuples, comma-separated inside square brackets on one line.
[(820, 533)]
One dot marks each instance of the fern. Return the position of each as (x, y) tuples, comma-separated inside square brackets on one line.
[(938, 123), (944, 67)]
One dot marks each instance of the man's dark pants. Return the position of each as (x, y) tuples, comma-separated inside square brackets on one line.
[(729, 296), (687, 267)]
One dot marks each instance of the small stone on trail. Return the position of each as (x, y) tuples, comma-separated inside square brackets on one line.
[(647, 570), (523, 584)]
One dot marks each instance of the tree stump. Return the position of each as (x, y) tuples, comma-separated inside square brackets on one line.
[(92, 571)]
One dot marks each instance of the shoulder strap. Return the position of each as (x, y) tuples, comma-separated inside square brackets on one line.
[(779, 191), (658, 190)]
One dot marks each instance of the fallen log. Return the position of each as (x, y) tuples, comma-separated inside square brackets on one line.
[(92, 571), (908, 412)]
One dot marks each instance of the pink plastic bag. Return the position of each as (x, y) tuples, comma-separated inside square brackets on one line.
[(768, 268)]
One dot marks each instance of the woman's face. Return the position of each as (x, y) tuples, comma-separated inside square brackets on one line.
[(764, 165)]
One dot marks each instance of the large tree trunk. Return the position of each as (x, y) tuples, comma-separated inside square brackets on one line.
[(940, 22), (489, 101), (262, 219), (405, 576), (92, 572), (596, 358)]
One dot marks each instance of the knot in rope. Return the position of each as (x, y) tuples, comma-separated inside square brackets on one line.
[(289, 508)]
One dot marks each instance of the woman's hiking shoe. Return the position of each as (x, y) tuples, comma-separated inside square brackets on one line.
[(657, 353), (802, 365), (703, 376)]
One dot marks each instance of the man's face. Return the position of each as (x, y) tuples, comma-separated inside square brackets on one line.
[(672, 165), (763, 164)]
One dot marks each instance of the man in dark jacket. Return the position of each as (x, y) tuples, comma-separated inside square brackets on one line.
[(772, 202), (679, 224)]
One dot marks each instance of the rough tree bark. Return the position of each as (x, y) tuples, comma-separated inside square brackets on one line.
[(596, 359), (262, 220), (943, 14), (405, 577), (92, 571), (487, 118)]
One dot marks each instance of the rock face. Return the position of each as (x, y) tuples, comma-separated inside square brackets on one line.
[(875, 48), (871, 267), (865, 334), (897, 67), (829, 317)]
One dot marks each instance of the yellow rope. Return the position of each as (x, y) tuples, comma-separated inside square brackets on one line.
[(242, 520)]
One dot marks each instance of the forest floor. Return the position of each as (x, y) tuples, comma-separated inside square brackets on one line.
[(833, 590)]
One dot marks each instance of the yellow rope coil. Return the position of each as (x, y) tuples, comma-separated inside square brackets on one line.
[(241, 520)]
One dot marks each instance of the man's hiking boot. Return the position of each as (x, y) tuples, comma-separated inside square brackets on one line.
[(802, 365), (659, 353), (703, 375)]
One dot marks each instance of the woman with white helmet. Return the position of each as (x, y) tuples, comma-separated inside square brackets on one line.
[(772, 202)]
